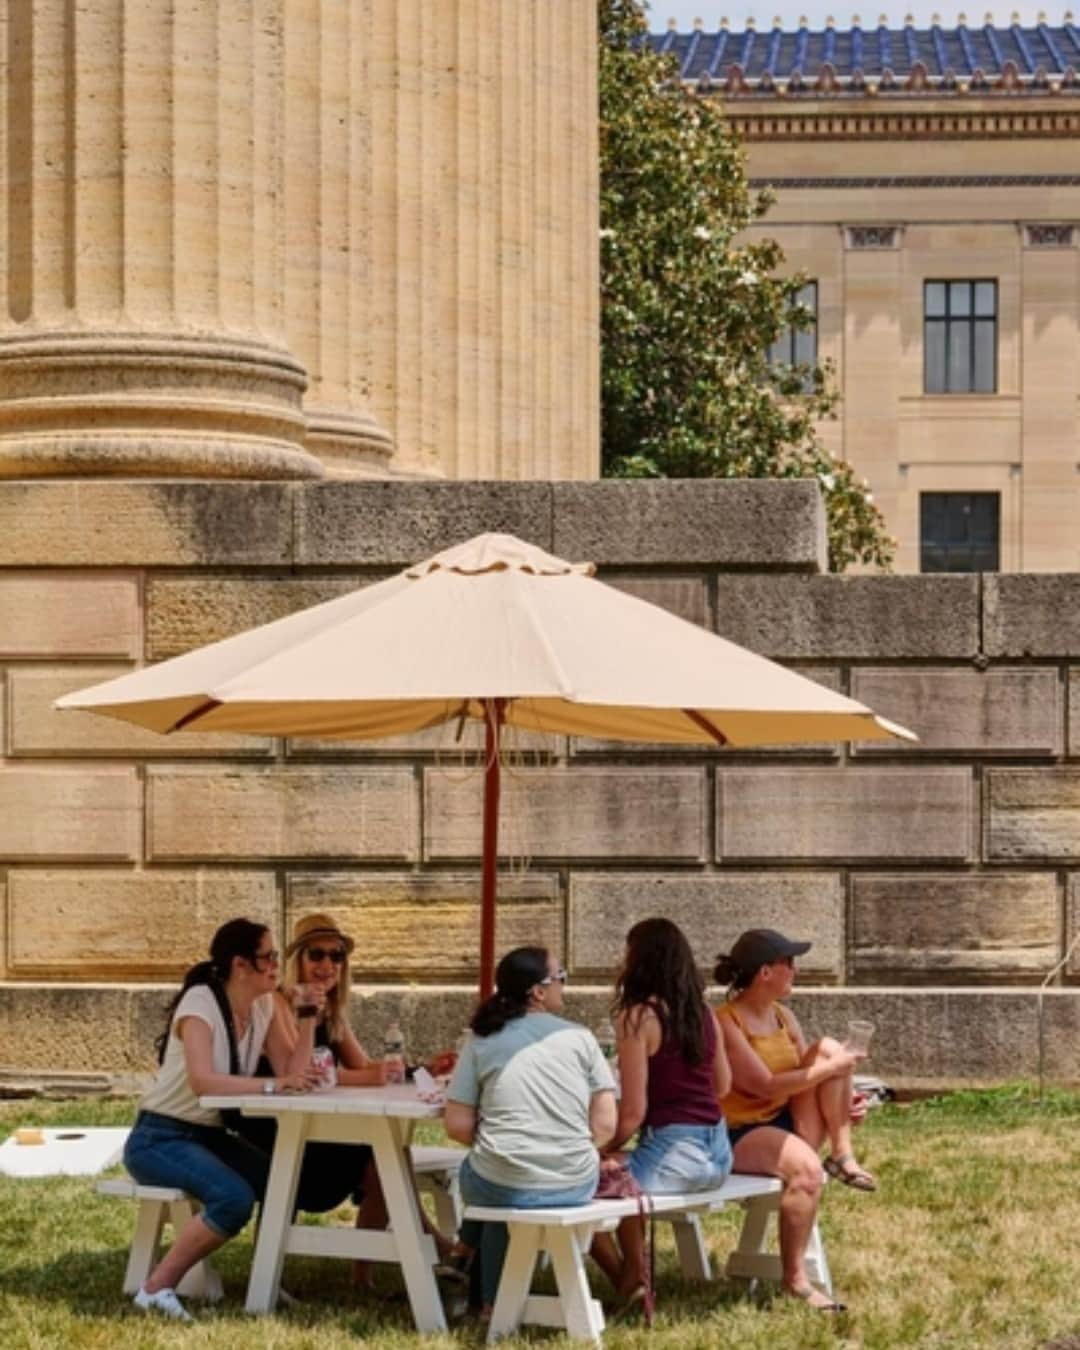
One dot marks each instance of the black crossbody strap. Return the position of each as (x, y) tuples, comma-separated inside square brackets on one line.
[(222, 1001)]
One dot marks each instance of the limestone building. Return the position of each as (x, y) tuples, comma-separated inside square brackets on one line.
[(928, 184)]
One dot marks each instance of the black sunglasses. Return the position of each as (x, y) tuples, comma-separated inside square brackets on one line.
[(335, 954), (272, 956)]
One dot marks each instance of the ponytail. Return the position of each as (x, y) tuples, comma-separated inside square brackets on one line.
[(238, 937), (516, 975)]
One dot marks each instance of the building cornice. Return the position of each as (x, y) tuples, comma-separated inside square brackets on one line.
[(780, 123)]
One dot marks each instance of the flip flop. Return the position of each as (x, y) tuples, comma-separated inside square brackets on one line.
[(808, 1293), (844, 1169)]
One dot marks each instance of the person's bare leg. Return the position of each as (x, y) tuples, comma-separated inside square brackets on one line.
[(195, 1241), (824, 1112), (371, 1214), (632, 1242), (780, 1154), (605, 1252)]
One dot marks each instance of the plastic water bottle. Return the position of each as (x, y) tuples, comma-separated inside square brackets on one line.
[(394, 1053)]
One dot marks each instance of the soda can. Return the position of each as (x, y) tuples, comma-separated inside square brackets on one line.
[(322, 1059)]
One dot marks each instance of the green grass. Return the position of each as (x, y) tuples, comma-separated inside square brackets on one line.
[(972, 1242)]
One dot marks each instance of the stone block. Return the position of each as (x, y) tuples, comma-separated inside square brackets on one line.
[(931, 1038), (969, 712), (711, 910), (75, 1028), (812, 815), (187, 612), (1072, 925), (572, 813), (719, 523), (427, 927), (259, 814), (1074, 711), (1031, 614), (37, 729), (47, 614), (686, 597), (1032, 815), (104, 523), (432, 1018), (394, 524), (925, 928), (123, 925), (69, 813), (857, 618)]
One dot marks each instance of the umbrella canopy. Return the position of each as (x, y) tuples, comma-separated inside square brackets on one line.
[(493, 629)]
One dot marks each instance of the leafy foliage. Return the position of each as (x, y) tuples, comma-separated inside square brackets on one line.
[(688, 314)]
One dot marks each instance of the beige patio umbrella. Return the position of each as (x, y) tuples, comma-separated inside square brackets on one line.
[(496, 630)]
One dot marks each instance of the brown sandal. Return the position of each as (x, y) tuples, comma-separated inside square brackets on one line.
[(846, 1170), (808, 1293)]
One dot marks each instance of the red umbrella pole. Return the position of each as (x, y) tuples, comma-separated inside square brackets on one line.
[(493, 718)]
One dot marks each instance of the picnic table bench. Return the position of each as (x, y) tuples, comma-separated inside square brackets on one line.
[(435, 1170), (565, 1234)]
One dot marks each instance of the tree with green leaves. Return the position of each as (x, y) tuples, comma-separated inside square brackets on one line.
[(688, 314)]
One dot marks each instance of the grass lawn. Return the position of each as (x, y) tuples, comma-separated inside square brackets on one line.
[(973, 1241)]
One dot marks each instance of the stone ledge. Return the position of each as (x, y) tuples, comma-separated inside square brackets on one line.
[(851, 618), (100, 523), (933, 1038), (1031, 614), (748, 524), (757, 524)]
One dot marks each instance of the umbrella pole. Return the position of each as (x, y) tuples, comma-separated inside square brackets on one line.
[(493, 717)]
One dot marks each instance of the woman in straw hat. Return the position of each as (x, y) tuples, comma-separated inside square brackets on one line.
[(788, 1097), (318, 958)]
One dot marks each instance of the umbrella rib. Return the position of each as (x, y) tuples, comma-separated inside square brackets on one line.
[(195, 714), (705, 725)]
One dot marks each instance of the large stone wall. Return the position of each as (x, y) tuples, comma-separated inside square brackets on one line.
[(939, 883)]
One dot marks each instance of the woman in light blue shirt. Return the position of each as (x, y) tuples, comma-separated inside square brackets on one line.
[(534, 1098)]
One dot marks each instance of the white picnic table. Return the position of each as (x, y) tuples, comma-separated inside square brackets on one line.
[(382, 1117)]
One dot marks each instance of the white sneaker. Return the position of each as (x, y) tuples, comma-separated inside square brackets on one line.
[(164, 1302)]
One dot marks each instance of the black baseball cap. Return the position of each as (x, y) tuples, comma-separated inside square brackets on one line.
[(761, 946)]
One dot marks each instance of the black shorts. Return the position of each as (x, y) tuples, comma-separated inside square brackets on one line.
[(783, 1120)]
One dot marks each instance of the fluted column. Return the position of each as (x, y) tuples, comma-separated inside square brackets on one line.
[(483, 321), (327, 205), (142, 275)]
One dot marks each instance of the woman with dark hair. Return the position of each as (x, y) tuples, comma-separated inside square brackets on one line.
[(533, 1098), (673, 1071), (787, 1097), (217, 1027)]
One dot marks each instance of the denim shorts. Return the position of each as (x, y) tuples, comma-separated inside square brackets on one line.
[(227, 1174), (677, 1158)]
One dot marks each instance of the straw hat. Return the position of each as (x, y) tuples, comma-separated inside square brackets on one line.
[(311, 928)]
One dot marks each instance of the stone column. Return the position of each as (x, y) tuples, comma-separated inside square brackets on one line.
[(141, 269), (327, 211), (484, 321)]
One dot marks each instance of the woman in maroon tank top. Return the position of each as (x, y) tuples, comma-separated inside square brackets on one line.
[(674, 1070)]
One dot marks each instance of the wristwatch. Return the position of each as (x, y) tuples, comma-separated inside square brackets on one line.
[(269, 1088)]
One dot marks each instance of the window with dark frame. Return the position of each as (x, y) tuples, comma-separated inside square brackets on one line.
[(798, 346), (960, 337), (959, 531)]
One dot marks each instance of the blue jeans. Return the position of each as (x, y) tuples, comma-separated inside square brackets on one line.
[(224, 1172), (674, 1159), (490, 1240)]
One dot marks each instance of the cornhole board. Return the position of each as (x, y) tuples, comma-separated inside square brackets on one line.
[(70, 1150)]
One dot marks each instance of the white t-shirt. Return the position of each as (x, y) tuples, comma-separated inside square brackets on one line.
[(170, 1094)]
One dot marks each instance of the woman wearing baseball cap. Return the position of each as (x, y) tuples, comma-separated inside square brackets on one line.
[(787, 1097)]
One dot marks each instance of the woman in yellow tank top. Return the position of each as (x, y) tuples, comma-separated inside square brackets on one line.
[(787, 1097)]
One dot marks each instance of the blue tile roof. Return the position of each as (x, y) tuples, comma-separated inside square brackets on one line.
[(1034, 58)]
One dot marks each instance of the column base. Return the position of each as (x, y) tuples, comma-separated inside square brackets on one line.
[(150, 405), (349, 445)]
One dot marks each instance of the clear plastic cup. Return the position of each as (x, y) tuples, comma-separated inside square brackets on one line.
[(859, 1036)]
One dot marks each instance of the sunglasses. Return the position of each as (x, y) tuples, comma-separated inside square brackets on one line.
[(271, 956), (316, 954), (559, 975)]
